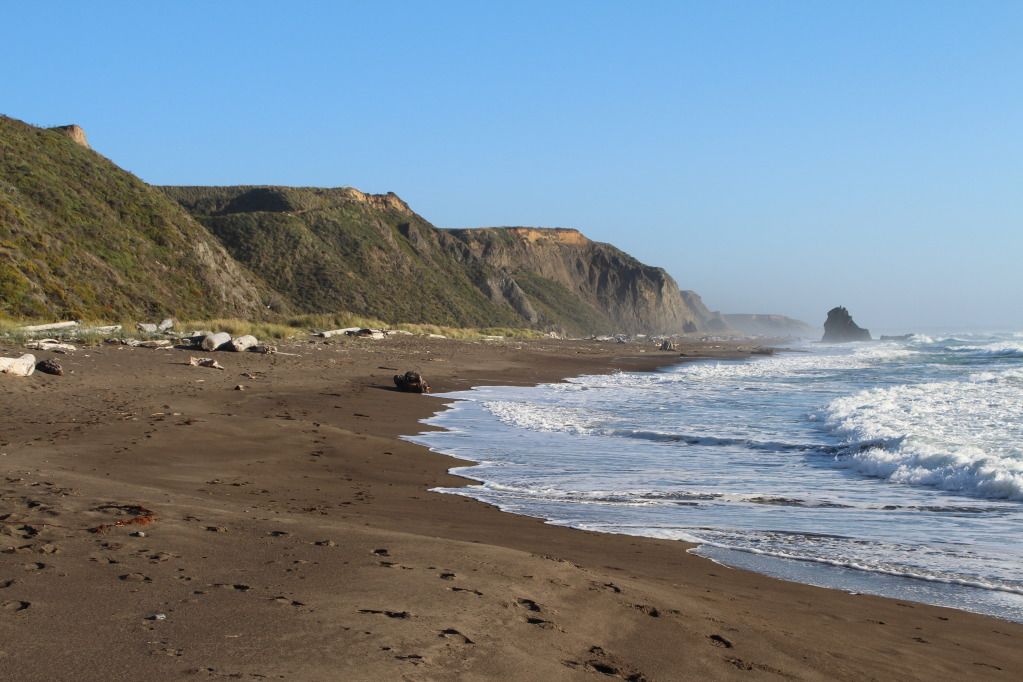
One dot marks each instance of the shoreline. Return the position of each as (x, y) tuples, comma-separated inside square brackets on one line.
[(295, 536), (809, 572)]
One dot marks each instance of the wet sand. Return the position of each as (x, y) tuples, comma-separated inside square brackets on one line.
[(159, 524)]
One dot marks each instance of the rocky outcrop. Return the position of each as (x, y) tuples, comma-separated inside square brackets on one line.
[(76, 134), (588, 287), (840, 328)]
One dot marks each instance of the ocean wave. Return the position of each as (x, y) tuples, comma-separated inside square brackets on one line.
[(998, 349), (647, 497), (820, 548), (959, 436), (882, 568)]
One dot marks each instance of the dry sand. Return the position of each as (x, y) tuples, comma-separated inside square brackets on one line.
[(292, 536)]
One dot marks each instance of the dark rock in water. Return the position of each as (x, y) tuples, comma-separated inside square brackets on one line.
[(897, 337), (840, 328)]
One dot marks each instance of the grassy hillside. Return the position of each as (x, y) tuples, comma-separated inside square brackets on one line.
[(339, 249), (82, 238)]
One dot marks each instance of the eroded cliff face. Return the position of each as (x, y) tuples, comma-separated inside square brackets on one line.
[(325, 250), (588, 286), (81, 237)]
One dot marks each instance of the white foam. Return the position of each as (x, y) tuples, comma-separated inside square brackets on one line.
[(540, 417), (997, 349), (961, 436)]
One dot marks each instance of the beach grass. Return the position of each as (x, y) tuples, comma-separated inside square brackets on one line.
[(295, 326)]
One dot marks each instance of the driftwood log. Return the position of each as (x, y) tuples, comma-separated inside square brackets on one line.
[(205, 362), (31, 329), (19, 367), (52, 345), (337, 332), (411, 382), (243, 343), (147, 327)]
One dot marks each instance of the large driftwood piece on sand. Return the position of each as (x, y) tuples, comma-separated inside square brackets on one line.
[(205, 362), (19, 367), (52, 345), (147, 327), (214, 341), (243, 343), (338, 332), (33, 328), (366, 333)]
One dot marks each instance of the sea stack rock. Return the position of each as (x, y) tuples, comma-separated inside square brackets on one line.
[(76, 134), (840, 328)]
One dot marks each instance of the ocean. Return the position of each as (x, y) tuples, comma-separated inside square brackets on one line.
[(890, 468)]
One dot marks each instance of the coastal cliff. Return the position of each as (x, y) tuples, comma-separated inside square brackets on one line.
[(82, 238), (769, 325), (570, 278), (324, 249)]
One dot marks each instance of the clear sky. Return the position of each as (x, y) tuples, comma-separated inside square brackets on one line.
[(774, 156)]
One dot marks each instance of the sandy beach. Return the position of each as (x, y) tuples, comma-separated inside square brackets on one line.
[(161, 523)]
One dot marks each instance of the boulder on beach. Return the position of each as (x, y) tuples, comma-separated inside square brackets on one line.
[(411, 382), (840, 328)]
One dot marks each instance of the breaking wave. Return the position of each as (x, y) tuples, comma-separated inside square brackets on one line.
[(960, 436)]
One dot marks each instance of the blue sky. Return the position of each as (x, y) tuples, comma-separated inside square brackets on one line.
[(774, 156)]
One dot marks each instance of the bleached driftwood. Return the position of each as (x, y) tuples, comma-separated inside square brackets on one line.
[(243, 343), (205, 362), (338, 332), (51, 345), (33, 328), (215, 341), (147, 327), (123, 342), (166, 325), (19, 367), (155, 343), (365, 333)]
